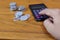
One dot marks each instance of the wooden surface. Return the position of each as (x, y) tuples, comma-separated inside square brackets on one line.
[(23, 30)]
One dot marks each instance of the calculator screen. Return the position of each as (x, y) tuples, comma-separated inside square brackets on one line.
[(38, 6)]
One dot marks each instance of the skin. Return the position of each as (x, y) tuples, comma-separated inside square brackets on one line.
[(52, 28)]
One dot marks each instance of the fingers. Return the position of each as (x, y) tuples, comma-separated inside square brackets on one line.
[(50, 12), (48, 25)]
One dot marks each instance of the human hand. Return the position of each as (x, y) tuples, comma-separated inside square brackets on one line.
[(52, 28)]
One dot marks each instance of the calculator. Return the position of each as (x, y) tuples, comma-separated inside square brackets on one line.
[(35, 9)]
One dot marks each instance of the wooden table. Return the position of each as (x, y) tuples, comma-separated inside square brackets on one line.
[(24, 30)]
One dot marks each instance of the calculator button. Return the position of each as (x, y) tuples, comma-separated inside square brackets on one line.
[(38, 11), (35, 13), (41, 17)]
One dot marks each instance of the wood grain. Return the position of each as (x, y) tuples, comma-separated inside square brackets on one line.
[(23, 30)]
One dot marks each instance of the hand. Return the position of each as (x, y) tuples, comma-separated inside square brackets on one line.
[(52, 28)]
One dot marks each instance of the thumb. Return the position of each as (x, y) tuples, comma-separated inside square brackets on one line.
[(48, 25)]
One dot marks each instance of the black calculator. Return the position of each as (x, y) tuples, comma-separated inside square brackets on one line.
[(35, 9)]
